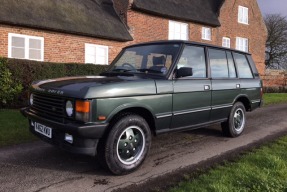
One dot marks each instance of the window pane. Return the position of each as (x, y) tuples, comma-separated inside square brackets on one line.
[(91, 50), (243, 68), (18, 42), (193, 57), (18, 53), (90, 59), (231, 66), (34, 44), (226, 42), (218, 64), (35, 54)]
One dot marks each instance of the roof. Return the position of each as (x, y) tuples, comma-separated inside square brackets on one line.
[(199, 11), (95, 18)]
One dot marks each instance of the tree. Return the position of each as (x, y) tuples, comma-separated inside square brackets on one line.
[(276, 44)]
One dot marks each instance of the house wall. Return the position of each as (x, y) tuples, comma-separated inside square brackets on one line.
[(61, 47), (144, 27)]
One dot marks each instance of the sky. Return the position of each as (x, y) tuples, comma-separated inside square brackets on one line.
[(273, 7)]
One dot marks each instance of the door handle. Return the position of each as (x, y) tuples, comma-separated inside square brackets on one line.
[(237, 86), (206, 87)]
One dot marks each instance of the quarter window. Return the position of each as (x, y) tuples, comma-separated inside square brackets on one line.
[(226, 42), (96, 54), (206, 33), (243, 67), (178, 31), (25, 47), (231, 67), (218, 63), (242, 44), (193, 57), (243, 15)]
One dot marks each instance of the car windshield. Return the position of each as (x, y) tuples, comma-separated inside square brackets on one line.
[(155, 59)]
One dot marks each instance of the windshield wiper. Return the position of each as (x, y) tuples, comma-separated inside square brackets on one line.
[(149, 70)]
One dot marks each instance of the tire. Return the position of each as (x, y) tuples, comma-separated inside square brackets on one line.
[(126, 145), (235, 124)]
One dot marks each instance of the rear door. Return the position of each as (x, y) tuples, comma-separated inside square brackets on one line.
[(225, 84), (192, 94)]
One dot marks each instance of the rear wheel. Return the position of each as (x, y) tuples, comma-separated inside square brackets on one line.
[(127, 144), (235, 124)]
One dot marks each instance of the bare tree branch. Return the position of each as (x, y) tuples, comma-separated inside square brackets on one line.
[(276, 44)]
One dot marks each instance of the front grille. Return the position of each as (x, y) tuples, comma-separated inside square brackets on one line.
[(50, 107)]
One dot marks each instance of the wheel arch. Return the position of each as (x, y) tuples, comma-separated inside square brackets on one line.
[(137, 110), (245, 101)]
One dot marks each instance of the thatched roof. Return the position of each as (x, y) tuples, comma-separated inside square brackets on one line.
[(199, 11), (95, 18)]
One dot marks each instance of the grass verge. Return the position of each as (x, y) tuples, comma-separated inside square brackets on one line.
[(13, 128), (262, 170), (274, 98)]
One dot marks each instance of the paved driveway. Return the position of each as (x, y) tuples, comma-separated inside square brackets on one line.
[(40, 167)]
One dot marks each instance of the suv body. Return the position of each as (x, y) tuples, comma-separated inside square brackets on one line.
[(150, 88)]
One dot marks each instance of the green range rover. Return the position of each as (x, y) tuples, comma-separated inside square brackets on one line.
[(150, 88)]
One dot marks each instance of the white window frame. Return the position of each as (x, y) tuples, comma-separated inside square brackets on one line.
[(226, 42), (26, 48), (206, 33), (243, 15), (183, 33), (242, 44), (87, 45)]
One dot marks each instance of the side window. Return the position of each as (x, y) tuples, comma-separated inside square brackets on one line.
[(193, 57), (231, 67), (243, 67), (218, 63)]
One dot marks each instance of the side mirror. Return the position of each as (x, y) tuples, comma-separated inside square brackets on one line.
[(184, 72)]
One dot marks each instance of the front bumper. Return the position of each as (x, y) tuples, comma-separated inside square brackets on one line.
[(85, 136)]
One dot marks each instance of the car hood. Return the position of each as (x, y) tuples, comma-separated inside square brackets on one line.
[(87, 87)]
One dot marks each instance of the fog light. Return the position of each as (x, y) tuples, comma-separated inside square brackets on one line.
[(69, 138)]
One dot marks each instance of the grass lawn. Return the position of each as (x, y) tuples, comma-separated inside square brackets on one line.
[(274, 98), (13, 128), (262, 170)]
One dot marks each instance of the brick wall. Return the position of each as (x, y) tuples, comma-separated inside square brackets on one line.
[(61, 47), (275, 78)]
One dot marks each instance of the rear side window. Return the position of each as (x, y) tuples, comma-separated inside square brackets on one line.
[(218, 63), (243, 67), (193, 57)]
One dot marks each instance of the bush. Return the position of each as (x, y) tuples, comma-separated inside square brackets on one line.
[(27, 71), (10, 86)]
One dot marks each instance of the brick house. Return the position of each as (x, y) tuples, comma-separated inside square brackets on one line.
[(94, 31)]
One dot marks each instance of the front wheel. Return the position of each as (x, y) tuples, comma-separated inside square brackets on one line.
[(127, 144), (235, 124)]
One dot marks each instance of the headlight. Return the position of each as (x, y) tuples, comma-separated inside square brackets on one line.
[(69, 108), (31, 99)]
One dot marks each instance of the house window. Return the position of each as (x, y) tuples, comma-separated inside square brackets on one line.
[(178, 31), (243, 15), (206, 33), (25, 47), (96, 54), (226, 42), (242, 44)]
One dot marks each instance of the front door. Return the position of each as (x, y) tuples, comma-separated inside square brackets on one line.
[(192, 94)]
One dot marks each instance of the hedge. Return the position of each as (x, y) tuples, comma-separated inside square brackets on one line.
[(27, 71)]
